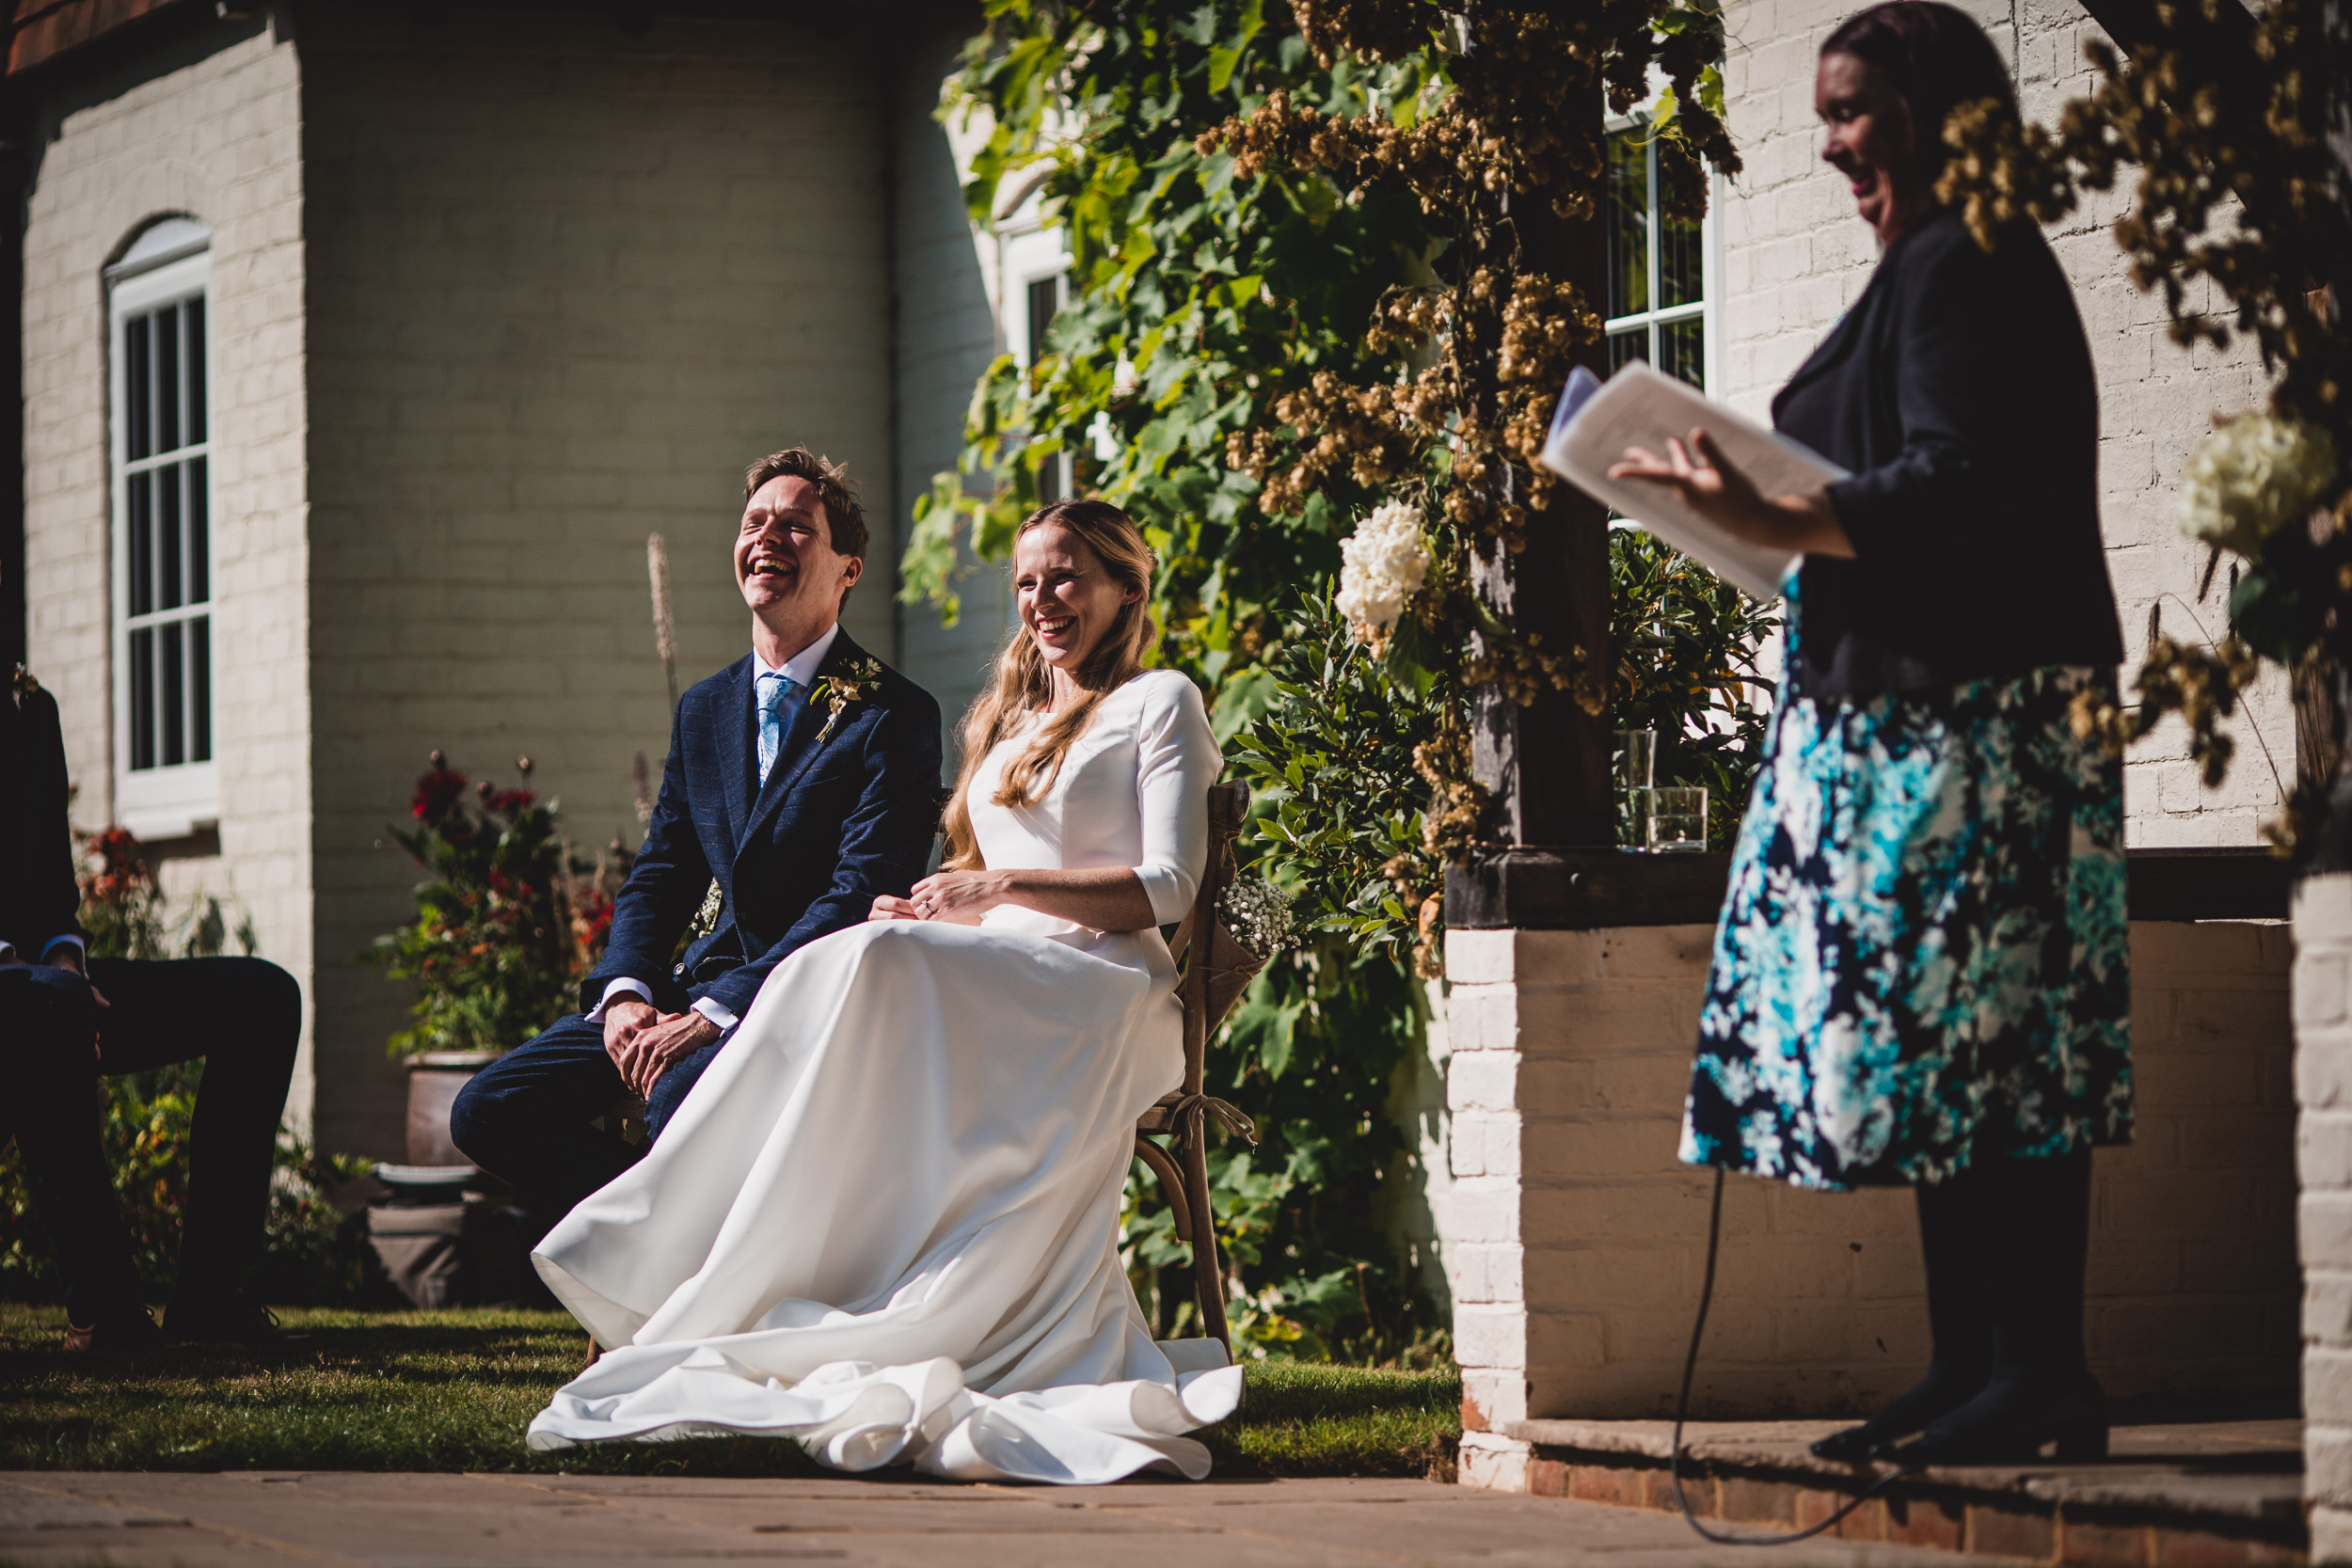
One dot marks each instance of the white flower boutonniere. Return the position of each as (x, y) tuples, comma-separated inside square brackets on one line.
[(837, 691)]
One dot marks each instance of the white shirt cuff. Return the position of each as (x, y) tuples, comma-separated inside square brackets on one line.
[(714, 1012), (8, 952), (622, 987), (81, 949)]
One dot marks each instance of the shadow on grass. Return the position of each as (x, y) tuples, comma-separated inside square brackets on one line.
[(454, 1391)]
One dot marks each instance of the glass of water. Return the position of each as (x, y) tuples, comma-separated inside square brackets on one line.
[(1636, 763), (1672, 819)]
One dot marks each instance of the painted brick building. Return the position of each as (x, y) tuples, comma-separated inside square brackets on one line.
[(363, 347)]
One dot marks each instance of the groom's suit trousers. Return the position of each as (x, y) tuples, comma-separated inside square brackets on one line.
[(242, 1016), (529, 1116)]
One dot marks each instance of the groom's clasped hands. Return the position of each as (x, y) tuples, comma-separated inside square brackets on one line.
[(642, 1040)]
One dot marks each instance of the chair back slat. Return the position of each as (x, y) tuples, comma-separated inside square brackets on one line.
[(1229, 806)]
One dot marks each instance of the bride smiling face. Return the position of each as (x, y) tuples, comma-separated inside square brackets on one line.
[(1067, 599)]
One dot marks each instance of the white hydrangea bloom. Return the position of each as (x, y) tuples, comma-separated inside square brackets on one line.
[(2253, 475), (1382, 566)]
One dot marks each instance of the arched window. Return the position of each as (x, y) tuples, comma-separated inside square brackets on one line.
[(166, 779)]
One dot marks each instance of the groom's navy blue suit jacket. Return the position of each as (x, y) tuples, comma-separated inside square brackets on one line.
[(840, 821)]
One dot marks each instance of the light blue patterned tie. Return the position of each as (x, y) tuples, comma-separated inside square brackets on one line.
[(775, 692)]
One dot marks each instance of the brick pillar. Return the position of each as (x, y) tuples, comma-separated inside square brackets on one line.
[(2323, 1086)]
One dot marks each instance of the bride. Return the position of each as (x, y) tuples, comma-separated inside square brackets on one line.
[(886, 1223)]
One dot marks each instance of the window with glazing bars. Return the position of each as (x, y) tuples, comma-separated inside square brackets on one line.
[(1657, 266), (166, 536)]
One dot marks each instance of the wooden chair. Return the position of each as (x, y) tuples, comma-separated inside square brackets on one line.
[(1217, 969)]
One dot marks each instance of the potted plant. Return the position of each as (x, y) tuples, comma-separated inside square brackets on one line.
[(507, 921)]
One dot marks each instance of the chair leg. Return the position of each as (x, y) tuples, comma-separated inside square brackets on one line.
[(1208, 1275)]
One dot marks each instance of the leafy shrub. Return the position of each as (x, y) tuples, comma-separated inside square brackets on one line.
[(508, 918)]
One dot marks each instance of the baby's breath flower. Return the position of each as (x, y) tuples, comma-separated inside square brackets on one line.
[(2253, 475), (1258, 914), (1382, 566)]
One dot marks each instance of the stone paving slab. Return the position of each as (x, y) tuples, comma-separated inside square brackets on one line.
[(266, 1519)]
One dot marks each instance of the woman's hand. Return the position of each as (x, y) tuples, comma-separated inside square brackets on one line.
[(959, 896), (889, 908), (1709, 485)]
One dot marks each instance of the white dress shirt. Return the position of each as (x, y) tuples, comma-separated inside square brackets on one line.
[(801, 670)]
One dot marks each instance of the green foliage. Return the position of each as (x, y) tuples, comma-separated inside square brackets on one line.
[(1686, 643), (505, 925)]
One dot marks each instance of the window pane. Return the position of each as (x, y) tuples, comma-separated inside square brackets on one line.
[(167, 379), (199, 534), (195, 341), (141, 549), (1627, 345), (200, 688), (1044, 301), (142, 700), (1683, 351), (1628, 225), (171, 696), (134, 379), (1681, 273), (168, 481)]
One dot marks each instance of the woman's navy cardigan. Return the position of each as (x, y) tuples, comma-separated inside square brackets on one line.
[(1958, 393)]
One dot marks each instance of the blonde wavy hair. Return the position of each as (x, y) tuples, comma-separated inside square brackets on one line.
[(1023, 684)]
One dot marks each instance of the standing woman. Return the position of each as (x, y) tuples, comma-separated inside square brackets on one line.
[(1921, 973)]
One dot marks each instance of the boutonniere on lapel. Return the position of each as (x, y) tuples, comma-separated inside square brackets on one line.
[(837, 691)]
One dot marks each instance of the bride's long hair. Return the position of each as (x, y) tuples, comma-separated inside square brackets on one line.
[(1023, 684)]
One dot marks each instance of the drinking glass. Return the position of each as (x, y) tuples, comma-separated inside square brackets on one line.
[(1674, 818), (1636, 766)]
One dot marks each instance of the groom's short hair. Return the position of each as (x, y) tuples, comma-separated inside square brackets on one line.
[(845, 520)]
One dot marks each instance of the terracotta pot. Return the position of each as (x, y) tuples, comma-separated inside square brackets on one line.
[(434, 1079)]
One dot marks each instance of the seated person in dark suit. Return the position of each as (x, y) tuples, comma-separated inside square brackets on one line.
[(66, 1018), (796, 810)]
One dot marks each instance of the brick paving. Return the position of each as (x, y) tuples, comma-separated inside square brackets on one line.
[(504, 1521)]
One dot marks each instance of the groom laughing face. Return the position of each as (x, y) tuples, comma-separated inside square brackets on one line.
[(787, 565)]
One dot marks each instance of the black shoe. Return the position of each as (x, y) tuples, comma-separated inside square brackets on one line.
[(2012, 1421), (233, 1319), (113, 1333), (1932, 1398)]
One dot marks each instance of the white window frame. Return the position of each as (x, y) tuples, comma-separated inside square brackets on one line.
[(1709, 310), (171, 263)]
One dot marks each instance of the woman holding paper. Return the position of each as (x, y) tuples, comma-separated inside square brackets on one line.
[(1921, 972)]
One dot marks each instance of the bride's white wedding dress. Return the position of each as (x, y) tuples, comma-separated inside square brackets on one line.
[(886, 1220)]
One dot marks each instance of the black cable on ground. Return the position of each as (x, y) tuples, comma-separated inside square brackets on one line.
[(1682, 1411)]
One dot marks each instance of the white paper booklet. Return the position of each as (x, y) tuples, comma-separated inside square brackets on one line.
[(1641, 406)]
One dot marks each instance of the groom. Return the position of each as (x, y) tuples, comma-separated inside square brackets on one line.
[(801, 783)]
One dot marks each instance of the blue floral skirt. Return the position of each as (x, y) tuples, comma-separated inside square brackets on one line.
[(1923, 958)]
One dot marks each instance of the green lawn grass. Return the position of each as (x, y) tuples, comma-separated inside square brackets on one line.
[(454, 1391)]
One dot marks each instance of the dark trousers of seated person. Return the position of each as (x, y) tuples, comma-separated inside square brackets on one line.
[(243, 1017), (529, 1117)]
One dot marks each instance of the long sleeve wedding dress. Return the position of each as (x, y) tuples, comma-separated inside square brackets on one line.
[(885, 1221)]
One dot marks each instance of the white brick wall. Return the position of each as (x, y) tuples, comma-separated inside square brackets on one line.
[(565, 283), (218, 138), (1795, 256), (1576, 1241), (2323, 1073)]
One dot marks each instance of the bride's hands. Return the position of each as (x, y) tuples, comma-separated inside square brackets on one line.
[(959, 897)]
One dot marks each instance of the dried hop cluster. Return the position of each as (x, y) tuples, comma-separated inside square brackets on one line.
[(2253, 475), (1382, 566)]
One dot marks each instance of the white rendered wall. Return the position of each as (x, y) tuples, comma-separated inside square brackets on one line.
[(567, 281), (214, 133), (1795, 256), (946, 337)]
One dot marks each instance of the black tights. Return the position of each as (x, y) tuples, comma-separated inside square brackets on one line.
[(2004, 1244)]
